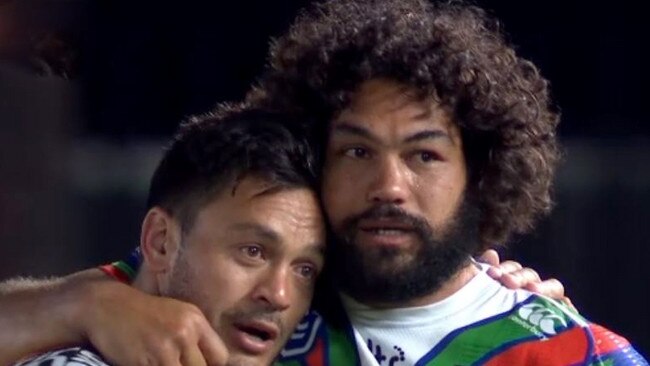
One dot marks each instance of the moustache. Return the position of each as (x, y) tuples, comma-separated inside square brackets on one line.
[(388, 211)]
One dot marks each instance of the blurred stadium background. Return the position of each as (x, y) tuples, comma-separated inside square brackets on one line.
[(91, 90)]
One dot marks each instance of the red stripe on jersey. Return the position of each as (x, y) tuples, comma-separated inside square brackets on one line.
[(569, 347), (316, 356), (116, 273), (606, 340)]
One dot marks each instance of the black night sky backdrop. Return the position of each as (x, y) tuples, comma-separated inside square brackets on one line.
[(133, 70)]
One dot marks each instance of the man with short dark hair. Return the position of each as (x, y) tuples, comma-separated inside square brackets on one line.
[(234, 227)]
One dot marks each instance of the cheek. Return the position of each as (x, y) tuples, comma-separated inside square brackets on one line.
[(299, 307), (333, 193), (220, 283), (441, 195)]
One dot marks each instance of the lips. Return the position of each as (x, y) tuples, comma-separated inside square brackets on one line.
[(386, 232), (255, 337), (386, 225)]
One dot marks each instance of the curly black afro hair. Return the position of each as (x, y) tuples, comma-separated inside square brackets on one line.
[(450, 51)]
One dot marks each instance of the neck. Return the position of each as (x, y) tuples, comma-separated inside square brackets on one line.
[(455, 283), (145, 281)]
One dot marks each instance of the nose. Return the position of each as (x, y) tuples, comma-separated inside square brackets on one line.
[(274, 289), (390, 183)]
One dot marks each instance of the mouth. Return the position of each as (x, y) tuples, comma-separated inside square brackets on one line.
[(385, 232), (385, 227), (256, 337), (260, 331)]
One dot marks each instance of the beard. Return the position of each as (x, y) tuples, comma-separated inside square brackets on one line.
[(396, 275)]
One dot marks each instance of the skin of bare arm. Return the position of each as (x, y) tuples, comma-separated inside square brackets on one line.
[(41, 314), (88, 306)]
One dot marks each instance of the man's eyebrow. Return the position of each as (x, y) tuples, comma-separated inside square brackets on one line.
[(429, 135), (346, 128), (256, 229)]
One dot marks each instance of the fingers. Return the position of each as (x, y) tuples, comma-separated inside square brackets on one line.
[(551, 288), (200, 344), (212, 347), (511, 267), (513, 275), (192, 356), (490, 257), (497, 270), (569, 303), (192, 342), (140, 329), (521, 278)]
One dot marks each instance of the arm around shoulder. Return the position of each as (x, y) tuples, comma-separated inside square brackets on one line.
[(41, 314)]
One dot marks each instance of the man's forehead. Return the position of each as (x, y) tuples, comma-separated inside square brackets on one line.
[(274, 202), (408, 128), (259, 209), (252, 196), (376, 98), (247, 186)]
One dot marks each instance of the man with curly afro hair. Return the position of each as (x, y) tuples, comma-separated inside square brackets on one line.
[(438, 142)]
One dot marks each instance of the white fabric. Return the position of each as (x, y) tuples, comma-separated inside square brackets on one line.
[(75, 356)]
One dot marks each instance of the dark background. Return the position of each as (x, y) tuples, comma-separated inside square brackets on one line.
[(90, 91)]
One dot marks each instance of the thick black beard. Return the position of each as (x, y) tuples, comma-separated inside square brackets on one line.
[(379, 276)]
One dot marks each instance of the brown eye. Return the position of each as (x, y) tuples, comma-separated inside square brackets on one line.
[(427, 156), (307, 271), (252, 251), (357, 152)]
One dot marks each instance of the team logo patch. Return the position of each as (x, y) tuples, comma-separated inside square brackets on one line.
[(303, 338), (542, 318)]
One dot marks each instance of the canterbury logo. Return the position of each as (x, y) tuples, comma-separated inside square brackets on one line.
[(542, 317)]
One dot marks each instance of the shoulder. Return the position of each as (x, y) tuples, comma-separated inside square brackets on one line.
[(613, 349), (535, 331), (556, 334), (78, 356)]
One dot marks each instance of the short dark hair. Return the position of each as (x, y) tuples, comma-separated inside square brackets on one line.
[(451, 51), (210, 151)]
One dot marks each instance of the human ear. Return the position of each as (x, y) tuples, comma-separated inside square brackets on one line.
[(160, 239)]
